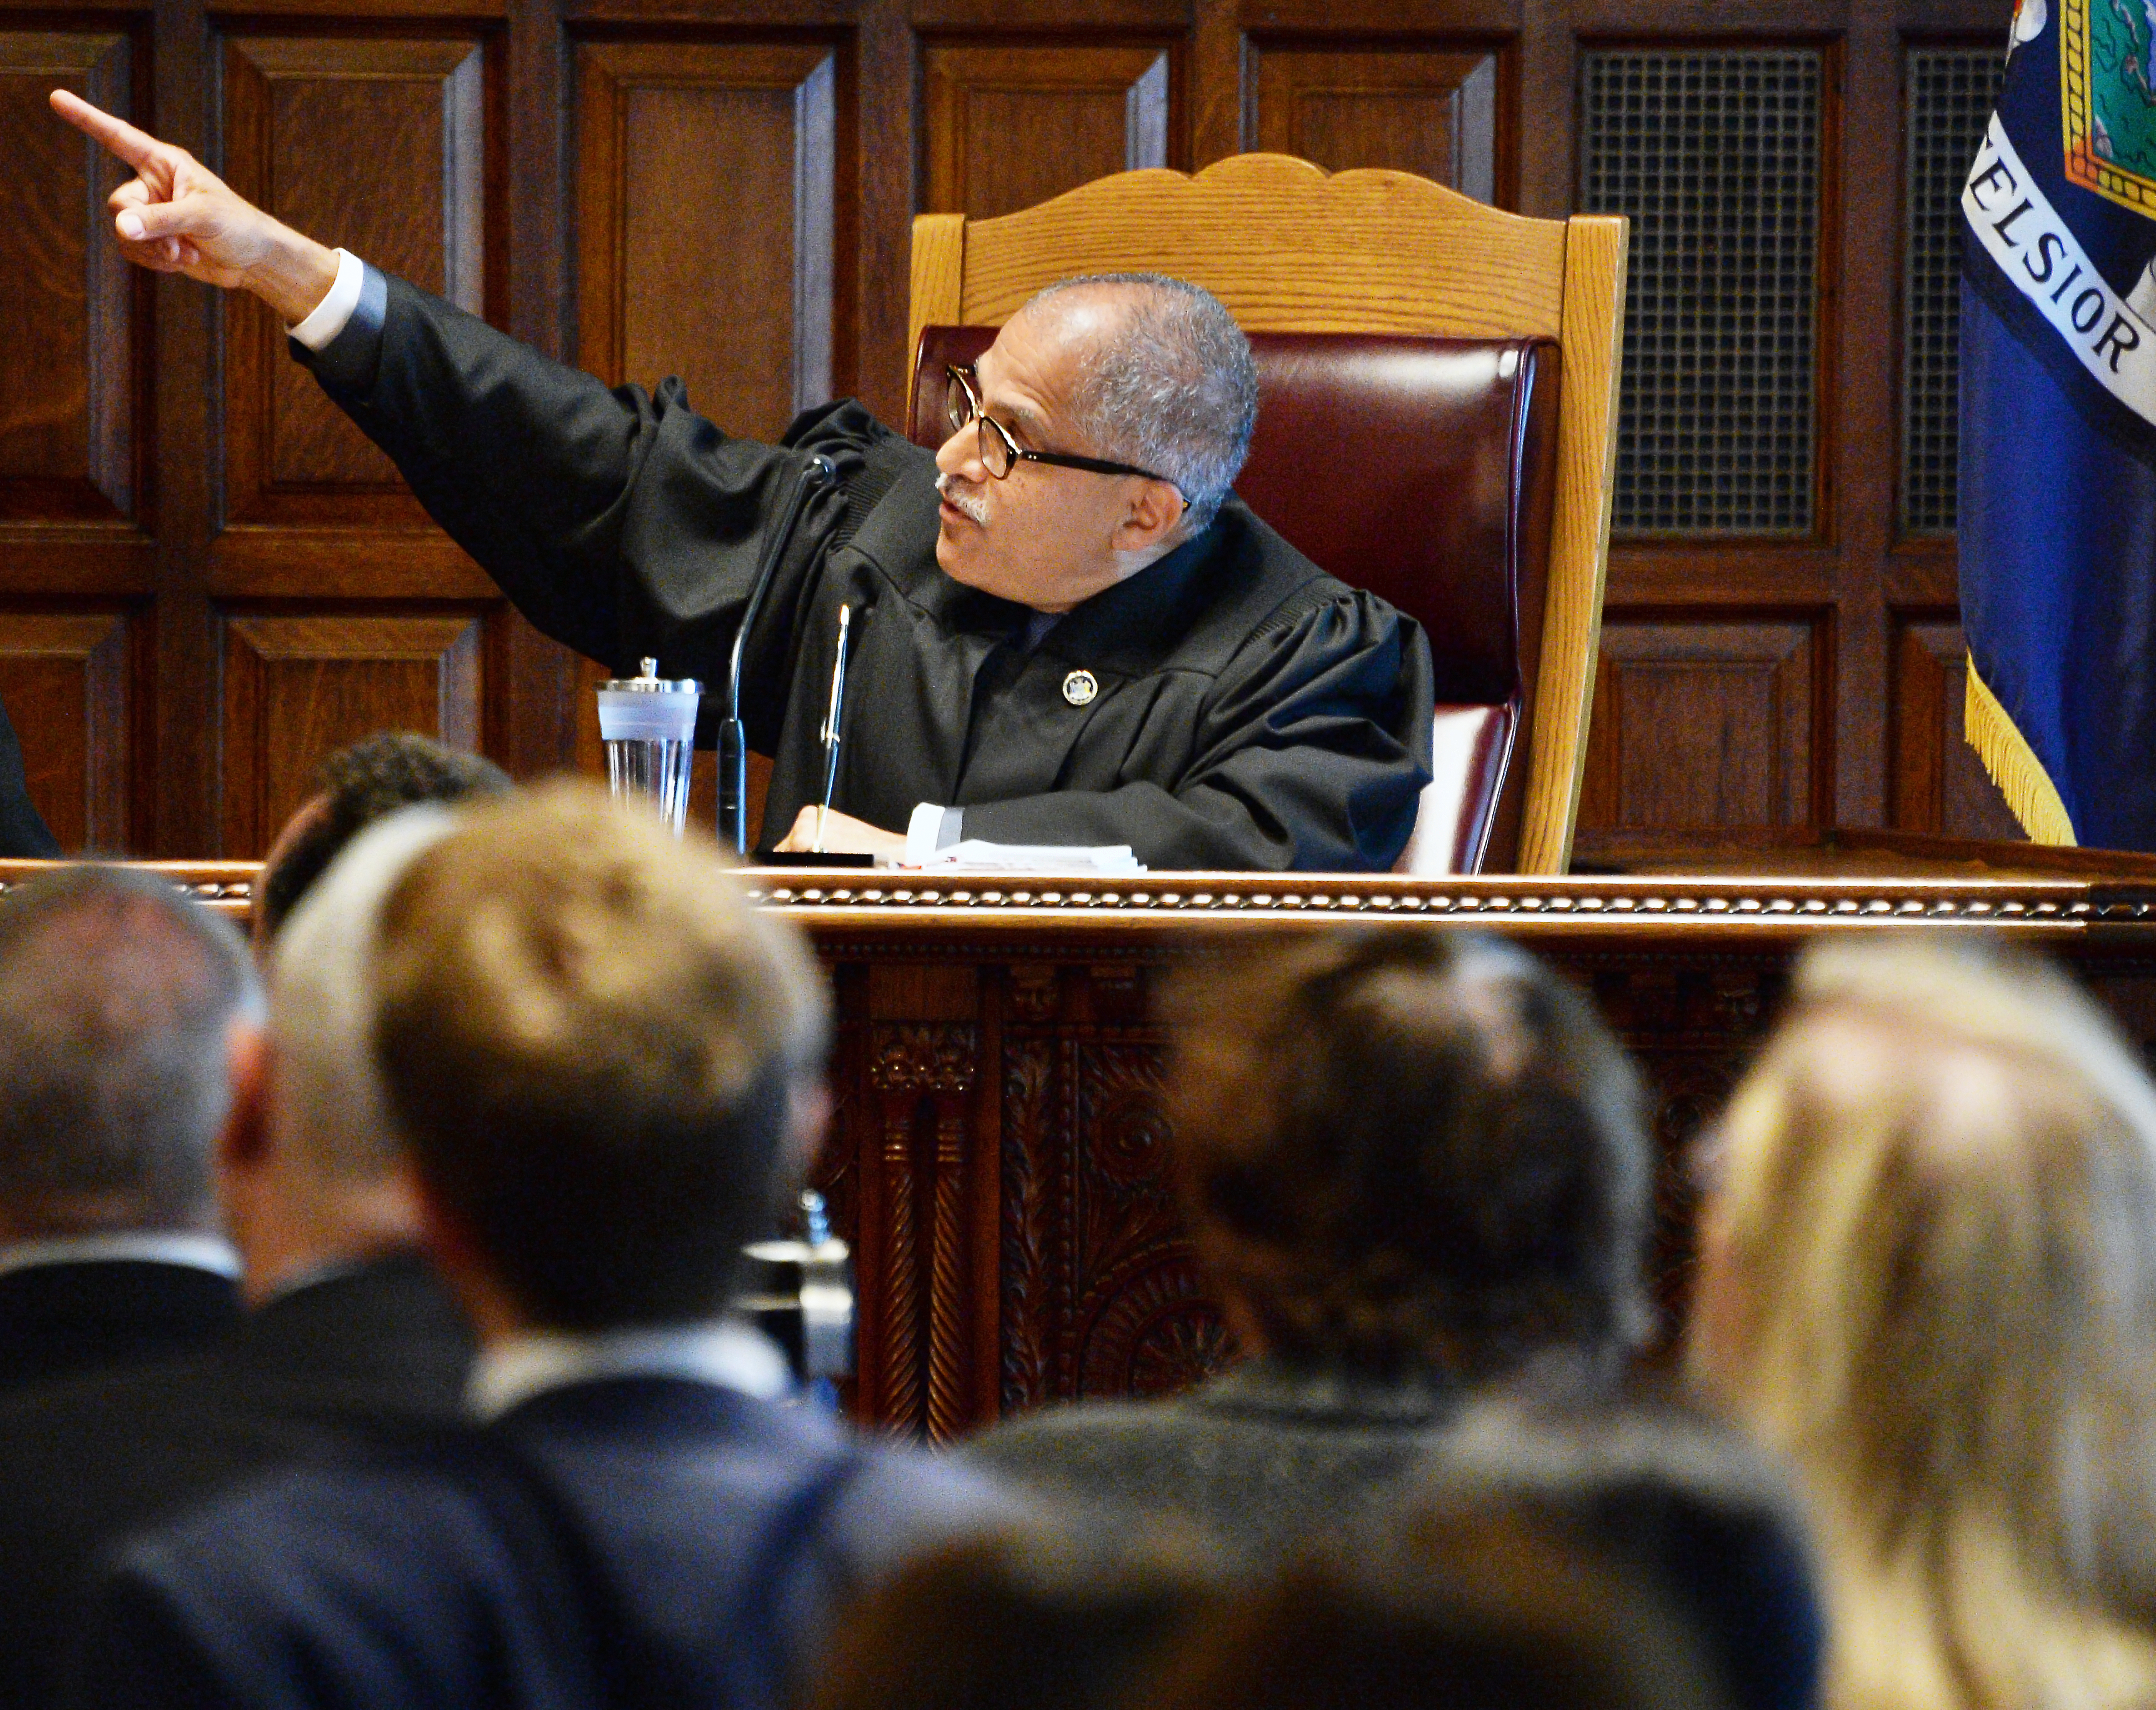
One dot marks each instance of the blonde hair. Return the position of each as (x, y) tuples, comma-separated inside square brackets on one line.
[(595, 1045), (1936, 1227)]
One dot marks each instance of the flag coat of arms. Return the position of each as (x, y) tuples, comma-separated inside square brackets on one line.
[(2057, 513)]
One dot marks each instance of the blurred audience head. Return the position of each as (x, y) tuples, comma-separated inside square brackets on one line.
[(319, 1176), (124, 1006), (1928, 1276), (607, 1062), (1407, 1150), (1462, 1606), (1042, 1618), (1677, 1497), (351, 789)]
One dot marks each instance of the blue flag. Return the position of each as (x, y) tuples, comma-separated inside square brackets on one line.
[(2058, 425)]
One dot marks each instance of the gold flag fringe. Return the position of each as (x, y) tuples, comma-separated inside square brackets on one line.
[(2013, 766)]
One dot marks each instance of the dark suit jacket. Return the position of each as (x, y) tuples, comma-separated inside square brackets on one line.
[(59, 1320), (371, 1351), (682, 1543)]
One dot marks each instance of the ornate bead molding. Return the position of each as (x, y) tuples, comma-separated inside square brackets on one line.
[(1514, 901), (2066, 902)]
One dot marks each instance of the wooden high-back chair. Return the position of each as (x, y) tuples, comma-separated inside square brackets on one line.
[(1289, 249)]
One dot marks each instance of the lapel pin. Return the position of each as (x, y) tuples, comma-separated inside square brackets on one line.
[(1079, 687)]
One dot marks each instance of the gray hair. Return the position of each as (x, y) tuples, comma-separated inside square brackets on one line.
[(117, 997), (332, 1109), (1172, 389)]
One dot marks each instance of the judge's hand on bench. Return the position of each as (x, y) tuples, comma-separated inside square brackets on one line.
[(177, 216), (843, 833)]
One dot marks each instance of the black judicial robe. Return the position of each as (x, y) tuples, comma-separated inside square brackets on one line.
[(1252, 712)]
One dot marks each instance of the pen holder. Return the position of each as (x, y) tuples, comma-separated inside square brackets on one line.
[(648, 726)]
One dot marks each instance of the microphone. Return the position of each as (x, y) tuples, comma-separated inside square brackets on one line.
[(733, 740)]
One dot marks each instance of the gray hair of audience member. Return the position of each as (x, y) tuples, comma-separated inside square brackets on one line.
[(1412, 1150), (1928, 1276), (118, 995), (332, 1109), (1172, 387)]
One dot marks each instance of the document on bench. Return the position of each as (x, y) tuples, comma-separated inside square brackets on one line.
[(1026, 858)]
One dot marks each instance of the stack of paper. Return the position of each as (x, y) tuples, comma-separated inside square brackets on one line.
[(1028, 857)]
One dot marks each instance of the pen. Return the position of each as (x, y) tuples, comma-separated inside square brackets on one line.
[(831, 726)]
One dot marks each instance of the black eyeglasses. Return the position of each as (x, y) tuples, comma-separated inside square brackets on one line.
[(1000, 453)]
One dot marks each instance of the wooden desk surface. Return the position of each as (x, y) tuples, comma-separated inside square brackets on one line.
[(999, 1152)]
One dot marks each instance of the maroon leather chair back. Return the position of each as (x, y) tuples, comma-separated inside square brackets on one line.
[(1423, 469)]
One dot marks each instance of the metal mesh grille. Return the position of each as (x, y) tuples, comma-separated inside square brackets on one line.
[(1950, 96), (1715, 157)]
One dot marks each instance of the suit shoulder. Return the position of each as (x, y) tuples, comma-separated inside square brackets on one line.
[(1043, 1440), (377, 1541)]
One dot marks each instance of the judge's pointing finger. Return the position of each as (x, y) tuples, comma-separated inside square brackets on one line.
[(179, 217), (138, 148)]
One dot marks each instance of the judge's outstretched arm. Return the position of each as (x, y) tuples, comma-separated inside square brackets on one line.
[(533, 467), (177, 216)]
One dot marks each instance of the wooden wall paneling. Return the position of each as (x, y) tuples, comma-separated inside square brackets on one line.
[(299, 687), (709, 216), (1704, 726), (1420, 111), (534, 690), (64, 677), (67, 414), (1004, 126), (715, 215), (1938, 783), (1859, 420), (379, 146)]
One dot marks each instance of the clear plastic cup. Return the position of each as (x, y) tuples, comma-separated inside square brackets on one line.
[(648, 724)]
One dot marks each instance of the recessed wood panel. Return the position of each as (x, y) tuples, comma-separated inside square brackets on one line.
[(68, 384), (63, 678), (1431, 113), (1938, 784), (706, 179), (377, 146), (1703, 726), (299, 688), (1005, 127)]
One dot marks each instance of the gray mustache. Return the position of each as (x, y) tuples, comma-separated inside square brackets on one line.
[(962, 496)]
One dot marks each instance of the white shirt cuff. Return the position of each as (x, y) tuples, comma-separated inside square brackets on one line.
[(924, 831), (330, 315)]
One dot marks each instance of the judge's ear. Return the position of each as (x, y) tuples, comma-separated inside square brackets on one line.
[(1155, 510)]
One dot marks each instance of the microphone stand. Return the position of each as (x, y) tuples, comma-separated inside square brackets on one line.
[(733, 740)]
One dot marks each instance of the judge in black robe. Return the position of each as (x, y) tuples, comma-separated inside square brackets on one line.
[(1228, 705), (1250, 711)]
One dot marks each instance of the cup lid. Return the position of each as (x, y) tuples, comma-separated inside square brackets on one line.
[(651, 682)]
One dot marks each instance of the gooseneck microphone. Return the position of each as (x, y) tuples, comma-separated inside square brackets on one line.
[(733, 740)]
